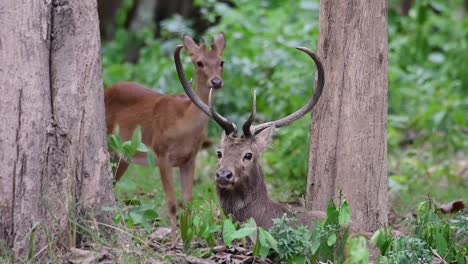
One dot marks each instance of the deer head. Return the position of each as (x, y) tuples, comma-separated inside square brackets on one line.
[(208, 68), (238, 166), (208, 62)]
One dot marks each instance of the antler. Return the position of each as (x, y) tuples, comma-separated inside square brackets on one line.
[(248, 123), (186, 84), (228, 126), (299, 113)]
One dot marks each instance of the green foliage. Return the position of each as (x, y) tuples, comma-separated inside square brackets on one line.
[(134, 213), (438, 233), (129, 148), (296, 244), (427, 79), (431, 232), (408, 250), (293, 239), (356, 250), (264, 243)]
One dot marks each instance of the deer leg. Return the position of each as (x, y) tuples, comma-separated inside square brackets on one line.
[(186, 178), (165, 170)]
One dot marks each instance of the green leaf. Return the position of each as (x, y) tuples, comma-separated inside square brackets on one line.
[(137, 217), (136, 138), (266, 241), (243, 232), (345, 216), (151, 157), (114, 143), (382, 238), (150, 214), (228, 230), (128, 149), (331, 239), (143, 148), (251, 223), (315, 245)]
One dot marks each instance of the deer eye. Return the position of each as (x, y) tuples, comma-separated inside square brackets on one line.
[(219, 154), (248, 156), (222, 63), (200, 64)]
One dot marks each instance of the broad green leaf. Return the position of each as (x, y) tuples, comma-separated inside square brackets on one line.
[(344, 216), (243, 232), (151, 157), (136, 138), (143, 148), (228, 230), (315, 245), (331, 239), (150, 214), (382, 238)]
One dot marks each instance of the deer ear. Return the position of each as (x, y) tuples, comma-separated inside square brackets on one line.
[(219, 43), (190, 45), (263, 138)]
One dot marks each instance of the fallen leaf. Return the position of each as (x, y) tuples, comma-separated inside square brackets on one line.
[(161, 232)]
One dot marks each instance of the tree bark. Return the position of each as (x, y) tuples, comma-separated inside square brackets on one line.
[(53, 159), (348, 134)]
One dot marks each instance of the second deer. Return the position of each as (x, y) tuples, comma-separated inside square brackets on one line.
[(171, 125), (239, 179)]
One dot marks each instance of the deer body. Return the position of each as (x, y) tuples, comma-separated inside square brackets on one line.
[(239, 179), (130, 105), (171, 125)]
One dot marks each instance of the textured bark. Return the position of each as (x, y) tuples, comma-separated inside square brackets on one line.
[(348, 135), (53, 158)]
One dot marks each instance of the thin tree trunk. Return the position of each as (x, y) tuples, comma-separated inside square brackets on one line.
[(53, 158), (348, 134)]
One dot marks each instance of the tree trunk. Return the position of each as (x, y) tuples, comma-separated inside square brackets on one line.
[(53, 159), (348, 133)]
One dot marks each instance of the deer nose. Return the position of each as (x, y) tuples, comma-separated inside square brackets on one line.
[(223, 177), (217, 83)]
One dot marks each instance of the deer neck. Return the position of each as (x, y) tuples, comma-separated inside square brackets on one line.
[(238, 201)]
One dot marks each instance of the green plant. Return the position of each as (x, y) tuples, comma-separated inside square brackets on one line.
[(431, 232), (134, 213), (129, 148), (437, 233), (296, 244), (356, 250), (408, 250), (293, 239)]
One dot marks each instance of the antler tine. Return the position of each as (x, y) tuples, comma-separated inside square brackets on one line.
[(228, 126), (308, 106), (187, 85), (248, 123)]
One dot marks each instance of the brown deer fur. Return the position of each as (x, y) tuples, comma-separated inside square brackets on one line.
[(246, 195), (171, 125)]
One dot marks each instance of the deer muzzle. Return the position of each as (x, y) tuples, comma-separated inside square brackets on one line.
[(216, 83), (224, 177)]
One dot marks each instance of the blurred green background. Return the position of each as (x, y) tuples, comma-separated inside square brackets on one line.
[(428, 86)]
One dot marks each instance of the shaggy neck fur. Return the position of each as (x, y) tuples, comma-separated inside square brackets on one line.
[(250, 200)]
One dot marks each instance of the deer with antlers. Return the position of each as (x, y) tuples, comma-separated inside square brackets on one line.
[(171, 125), (239, 179)]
